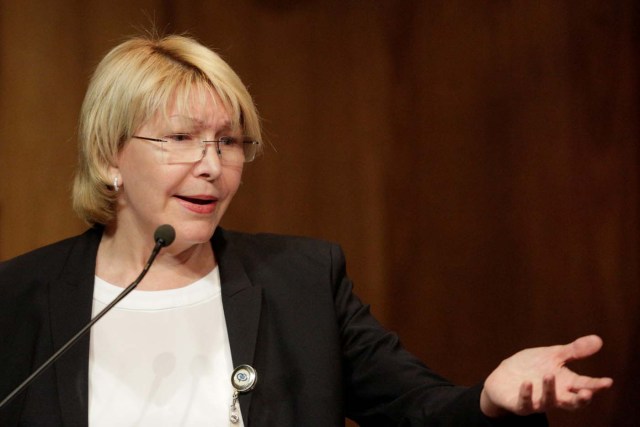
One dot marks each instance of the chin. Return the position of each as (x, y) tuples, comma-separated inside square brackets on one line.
[(195, 234)]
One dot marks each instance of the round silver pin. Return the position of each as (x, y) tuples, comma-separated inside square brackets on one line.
[(244, 378)]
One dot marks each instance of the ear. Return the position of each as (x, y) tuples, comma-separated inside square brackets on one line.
[(114, 177)]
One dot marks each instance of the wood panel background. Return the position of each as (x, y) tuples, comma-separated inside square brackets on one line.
[(478, 160)]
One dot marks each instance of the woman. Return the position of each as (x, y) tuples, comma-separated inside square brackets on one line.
[(165, 130)]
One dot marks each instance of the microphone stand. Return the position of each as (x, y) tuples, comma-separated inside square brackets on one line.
[(160, 243)]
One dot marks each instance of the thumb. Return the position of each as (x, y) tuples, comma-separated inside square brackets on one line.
[(581, 348)]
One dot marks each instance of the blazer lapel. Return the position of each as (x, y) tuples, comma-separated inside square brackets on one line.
[(242, 302), (71, 302)]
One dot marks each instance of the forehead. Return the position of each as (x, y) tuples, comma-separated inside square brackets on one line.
[(194, 107)]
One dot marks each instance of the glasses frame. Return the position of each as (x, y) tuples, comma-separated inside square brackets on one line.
[(204, 144)]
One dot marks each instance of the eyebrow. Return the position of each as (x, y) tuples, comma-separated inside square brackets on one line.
[(226, 126)]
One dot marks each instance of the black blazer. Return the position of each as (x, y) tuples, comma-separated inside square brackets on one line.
[(290, 313)]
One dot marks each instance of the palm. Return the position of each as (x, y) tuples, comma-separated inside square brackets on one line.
[(536, 379)]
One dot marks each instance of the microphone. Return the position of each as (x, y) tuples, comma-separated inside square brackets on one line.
[(163, 236)]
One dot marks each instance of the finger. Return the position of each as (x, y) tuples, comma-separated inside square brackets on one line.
[(590, 383), (525, 399), (548, 399), (581, 348), (583, 398), (576, 400)]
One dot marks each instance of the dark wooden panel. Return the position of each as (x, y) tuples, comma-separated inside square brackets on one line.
[(478, 160)]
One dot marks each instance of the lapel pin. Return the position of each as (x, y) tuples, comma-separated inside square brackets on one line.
[(243, 380)]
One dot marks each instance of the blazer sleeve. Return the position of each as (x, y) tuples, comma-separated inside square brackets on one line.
[(388, 386), (23, 332)]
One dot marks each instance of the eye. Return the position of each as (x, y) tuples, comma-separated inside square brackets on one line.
[(180, 137), (229, 141)]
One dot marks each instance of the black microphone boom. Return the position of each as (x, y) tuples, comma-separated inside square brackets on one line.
[(163, 236)]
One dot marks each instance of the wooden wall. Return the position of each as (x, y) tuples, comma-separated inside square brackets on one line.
[(478, 160)]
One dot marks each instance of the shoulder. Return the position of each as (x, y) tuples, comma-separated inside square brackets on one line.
[(268, 246), (48, 260), (264, 255)]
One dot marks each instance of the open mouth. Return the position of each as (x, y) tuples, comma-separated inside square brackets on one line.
[(196, 200)]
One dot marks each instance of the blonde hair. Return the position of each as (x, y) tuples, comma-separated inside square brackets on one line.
[(133, 81)]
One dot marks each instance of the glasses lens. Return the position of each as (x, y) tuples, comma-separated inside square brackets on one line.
[(181, 152), (235, 151), (232, 151), (250, 149)]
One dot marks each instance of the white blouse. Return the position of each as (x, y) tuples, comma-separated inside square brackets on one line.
[(161, 358)]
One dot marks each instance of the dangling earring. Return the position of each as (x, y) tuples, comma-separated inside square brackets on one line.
[(115, 184)]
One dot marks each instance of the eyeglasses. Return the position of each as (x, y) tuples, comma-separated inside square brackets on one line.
[(184, 148)]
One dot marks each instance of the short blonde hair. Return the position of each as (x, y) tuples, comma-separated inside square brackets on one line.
[(135, 80)]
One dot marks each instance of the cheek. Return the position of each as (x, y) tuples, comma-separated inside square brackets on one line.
[(147, 182), (232, 178), (136, 165)]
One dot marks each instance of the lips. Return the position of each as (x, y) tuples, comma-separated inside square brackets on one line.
[(198, 204), (196, 200)]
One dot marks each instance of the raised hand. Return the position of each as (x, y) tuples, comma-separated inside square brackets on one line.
[(537, 379)]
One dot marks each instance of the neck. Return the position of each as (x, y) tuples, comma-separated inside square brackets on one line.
[(121, 258)]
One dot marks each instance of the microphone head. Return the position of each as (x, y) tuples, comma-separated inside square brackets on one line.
[(164, 235)]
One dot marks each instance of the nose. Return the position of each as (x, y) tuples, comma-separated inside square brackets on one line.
[(210, 165)]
